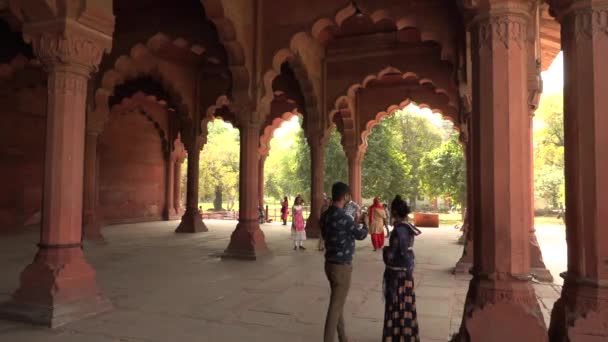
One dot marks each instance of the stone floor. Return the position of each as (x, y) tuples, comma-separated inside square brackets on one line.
[(168, 287)]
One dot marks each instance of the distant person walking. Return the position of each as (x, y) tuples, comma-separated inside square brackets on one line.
[(284, 210), (388, 219), (326, 205), (261, 214), (339, 232), (298, 226), (400, 319), (377, 221)]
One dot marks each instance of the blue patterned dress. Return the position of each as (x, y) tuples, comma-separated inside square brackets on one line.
[(400, 321)]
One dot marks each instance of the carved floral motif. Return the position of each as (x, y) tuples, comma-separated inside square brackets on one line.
[(509, 30), (67, 83), (586, 24), (69, 49)]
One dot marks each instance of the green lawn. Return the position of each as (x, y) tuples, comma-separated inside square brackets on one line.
[(450, 219), (548, 221)]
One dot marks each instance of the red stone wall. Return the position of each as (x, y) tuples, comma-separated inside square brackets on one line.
[(22, 136), (131, 170)]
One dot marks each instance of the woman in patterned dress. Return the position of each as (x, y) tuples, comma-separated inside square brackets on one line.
[(298, 232), (400, 321)]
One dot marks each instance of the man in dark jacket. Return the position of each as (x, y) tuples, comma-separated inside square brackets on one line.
[(339, 231)]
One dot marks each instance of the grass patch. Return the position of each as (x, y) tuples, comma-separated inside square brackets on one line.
[(548, 221)]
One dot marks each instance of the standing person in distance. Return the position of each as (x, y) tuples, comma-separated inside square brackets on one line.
[(284, 210), (339, 231), (388, 219), (298, 226), (377, 221), (326, 204)]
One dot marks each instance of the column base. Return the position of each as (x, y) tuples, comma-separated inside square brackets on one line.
[(192, 222), (537, 265), (463, 267), (465, 264), (170, 215), (581, 313), (57, 288), (313, 229), (247, 242), (541, 274), (501, 310), (462, 239), (92, 232)]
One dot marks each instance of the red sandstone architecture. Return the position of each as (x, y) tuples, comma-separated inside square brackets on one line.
[(102, 101)]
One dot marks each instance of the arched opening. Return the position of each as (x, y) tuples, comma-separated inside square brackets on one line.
[(286, 166), (549, 175), (23, 95), (138, 150), (416, 153), (219, 172)]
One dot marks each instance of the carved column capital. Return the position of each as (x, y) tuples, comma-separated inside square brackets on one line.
[(508, 29), (580, 24), (74, 50), (72, 34)]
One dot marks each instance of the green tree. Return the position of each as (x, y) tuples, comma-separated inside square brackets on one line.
[(549, 183), (219, 166), (336, 164), (301, 167), (284, 173), (386, 170), (549, 180), (443, 172), (418, 137)]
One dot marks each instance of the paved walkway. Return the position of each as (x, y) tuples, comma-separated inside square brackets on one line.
[(167, 287)]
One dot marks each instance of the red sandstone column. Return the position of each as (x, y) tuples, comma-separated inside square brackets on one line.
[(465, 263), (317, 167), (247, 241), (169, 211), (355, 162), (60, 286), (92, 223), (581, 314), (537, 265), (177, 186), (192, 221), (261, 163), (501, 304)]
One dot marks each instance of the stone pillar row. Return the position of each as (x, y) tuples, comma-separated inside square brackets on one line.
[(261, 165), (581, 314), (192, 221), (247, 241), (355, 165), (465, 263), (91, 216), (501, 304), (60, 285), (317, 144), (173, 188)]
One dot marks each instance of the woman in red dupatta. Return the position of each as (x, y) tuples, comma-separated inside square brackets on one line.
[(377, 221)]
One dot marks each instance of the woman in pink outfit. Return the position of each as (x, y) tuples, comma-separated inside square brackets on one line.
[(298, 231)]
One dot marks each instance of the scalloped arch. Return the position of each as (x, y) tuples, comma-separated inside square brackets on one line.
[(345, 104), (270, 129), (390, 110), (131, 104), (321, 31), (348, 101), (222, 102), (140, 62), (18, 63), (214, 9)]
